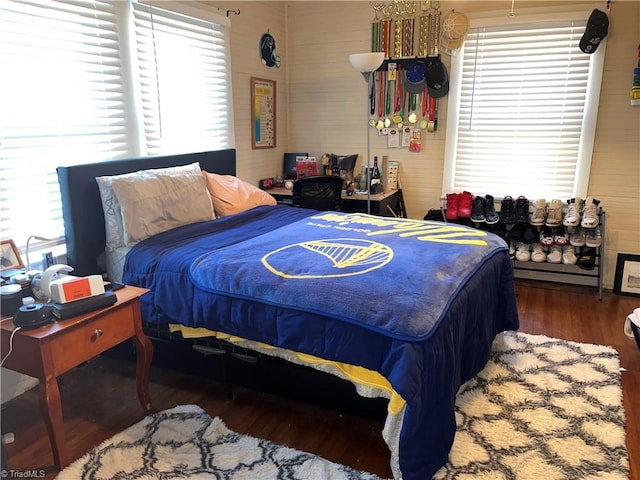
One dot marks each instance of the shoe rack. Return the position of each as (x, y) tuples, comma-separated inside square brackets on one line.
[(573, 274)]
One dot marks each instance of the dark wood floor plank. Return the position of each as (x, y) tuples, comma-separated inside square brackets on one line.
[(99, 398)]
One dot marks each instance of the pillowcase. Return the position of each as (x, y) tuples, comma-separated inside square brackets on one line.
[(231, 195), (114, 226)]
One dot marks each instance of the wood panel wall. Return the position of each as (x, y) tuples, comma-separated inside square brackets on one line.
[(322, 102)]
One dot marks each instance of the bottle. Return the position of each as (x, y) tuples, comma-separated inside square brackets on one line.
[(376, 179)]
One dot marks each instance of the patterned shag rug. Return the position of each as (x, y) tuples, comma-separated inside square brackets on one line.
[(541, 408)]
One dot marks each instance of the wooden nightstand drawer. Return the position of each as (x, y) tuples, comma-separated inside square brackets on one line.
[(91, 338)]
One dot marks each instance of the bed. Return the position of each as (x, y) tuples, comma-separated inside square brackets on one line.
[(405, 309)]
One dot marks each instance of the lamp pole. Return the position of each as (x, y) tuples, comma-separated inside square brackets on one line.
[(366, 64), (369, 76)]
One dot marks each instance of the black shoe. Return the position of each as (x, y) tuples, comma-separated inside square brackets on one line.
[(490, 215), (516, 234), (522, 210), (507, 210), (477, 211), (587, 258), (530, 235)]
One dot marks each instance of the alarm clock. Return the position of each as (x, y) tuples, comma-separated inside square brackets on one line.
[(267, 183)]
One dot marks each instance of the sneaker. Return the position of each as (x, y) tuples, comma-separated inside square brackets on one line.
[(573, 217), (546, 237), (466, 204), (569, 255), (512, 249), (538, 255), (560, 236), (578, 238), (587, 258), (516, 233), (500, 230), (522, 210), (555, 254), (530, 234), (590, 213), (453, 201), (522, 252), (539, 214), (507, 210), (554, 213), (490, 215), (477, 212), (593, 238)]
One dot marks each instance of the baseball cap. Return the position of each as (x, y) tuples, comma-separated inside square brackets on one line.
[(437, 79), (415, 77), (597, 29)]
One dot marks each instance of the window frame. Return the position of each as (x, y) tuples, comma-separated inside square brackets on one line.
[(589, 123)]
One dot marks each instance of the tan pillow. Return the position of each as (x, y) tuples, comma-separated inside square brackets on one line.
[(231, 195), (153, 203)]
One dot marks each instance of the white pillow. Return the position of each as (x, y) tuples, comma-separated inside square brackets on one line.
[(114, 226), (231, 195)]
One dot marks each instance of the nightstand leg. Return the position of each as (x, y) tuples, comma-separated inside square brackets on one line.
[(51, 408), (144, 355)]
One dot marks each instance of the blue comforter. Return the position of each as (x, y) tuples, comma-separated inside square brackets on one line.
[(419, 302)]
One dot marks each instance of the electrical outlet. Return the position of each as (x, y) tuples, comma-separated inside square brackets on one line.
[(47, 260)]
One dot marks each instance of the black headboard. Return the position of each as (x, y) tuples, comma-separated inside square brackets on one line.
[(82, 207)]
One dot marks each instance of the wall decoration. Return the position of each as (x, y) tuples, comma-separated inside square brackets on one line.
[(627, 280), (263, 113), (268, 51), (10, 258)]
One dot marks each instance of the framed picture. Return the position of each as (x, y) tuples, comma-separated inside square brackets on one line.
[(627, 280), (263, 113), (10, 259)]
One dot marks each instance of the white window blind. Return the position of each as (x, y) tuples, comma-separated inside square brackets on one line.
[(71, 92), (61, 103), (185, 92), (520, 123)]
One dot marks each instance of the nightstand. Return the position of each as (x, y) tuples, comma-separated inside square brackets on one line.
[(49, 351)]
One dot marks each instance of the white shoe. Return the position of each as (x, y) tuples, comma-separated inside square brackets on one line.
[(555, 254), (538, 255), (522, 253), (578, 238), (572, 217), (569, 255), (594, 237), (590, 213), (554, 213), (539, 213)]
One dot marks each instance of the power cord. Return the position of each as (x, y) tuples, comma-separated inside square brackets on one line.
[(15, 330)]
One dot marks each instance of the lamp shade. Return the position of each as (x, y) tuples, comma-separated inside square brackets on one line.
[(366, 62)]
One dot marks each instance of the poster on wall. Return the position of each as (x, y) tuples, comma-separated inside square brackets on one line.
[(263, 113)]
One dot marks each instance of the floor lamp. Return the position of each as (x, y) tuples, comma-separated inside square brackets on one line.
[(366, 64)]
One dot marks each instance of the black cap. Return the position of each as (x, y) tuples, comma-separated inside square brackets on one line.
[(597, 29), (437, 79)]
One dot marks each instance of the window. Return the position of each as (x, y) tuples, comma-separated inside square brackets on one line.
[(522, 111), (72, 90)]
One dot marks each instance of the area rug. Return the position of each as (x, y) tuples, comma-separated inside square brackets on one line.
[(541, 408)]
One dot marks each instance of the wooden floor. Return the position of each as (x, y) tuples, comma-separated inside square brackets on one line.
[(99, 397)]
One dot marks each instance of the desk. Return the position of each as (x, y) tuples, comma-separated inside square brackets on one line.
[(386, 204), (49, 351)]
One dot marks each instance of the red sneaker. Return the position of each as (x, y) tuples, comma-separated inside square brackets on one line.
[(453, 202), (466, 204)]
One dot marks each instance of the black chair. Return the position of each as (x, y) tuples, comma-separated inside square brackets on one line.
[(322, 192)]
